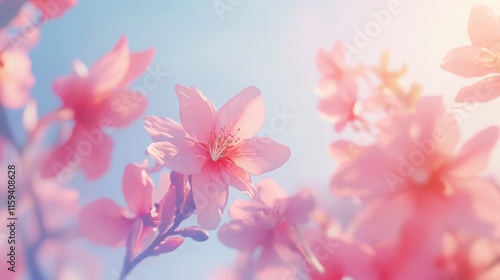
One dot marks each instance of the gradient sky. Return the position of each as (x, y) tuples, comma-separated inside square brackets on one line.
[(268, 44)]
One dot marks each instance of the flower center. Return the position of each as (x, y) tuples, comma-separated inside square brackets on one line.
[(491, 55), (220, 142)]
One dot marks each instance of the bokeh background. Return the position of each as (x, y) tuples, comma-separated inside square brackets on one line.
[(268, 44)]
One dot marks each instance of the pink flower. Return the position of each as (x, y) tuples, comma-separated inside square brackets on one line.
[(270, 222), (52, 9), (16, 79), (98, 98), (338, 87), (416, 189), (480, 59), (105, 222), (216, 148)]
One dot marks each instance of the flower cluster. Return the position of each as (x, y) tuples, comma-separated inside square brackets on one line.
[(424, 204)]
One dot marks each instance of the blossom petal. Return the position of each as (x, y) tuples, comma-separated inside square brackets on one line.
[(72, 89), (326, 87), (197, 113), (471, 208), (343, 151), (260, 155), (181, 154), (103, 222), (16, 79), (88, 148), (475, 154), (477, 207), (335, 108), (162, 188), (324, 64), (241, 236), (110, 70), (297, 208), (270, 264), (210, 193), (243, 115), (484, 26), (138, 63), (244, 209), (383, 218), (269, 191), (361, 177), (482, 91), (338, 107), (468, 62), (431, 125), (137, 188), (161, 129), (240, 179), (121, 108), (332, 63), (341, 259)]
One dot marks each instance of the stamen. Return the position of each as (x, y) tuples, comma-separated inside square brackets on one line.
[(490, 57), (220, 142)]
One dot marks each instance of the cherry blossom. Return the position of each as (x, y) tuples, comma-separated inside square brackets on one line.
[(16, 78), (105, 222), (270, 222), (216, 148), (338, 87), (97, 98), (480, 59)]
